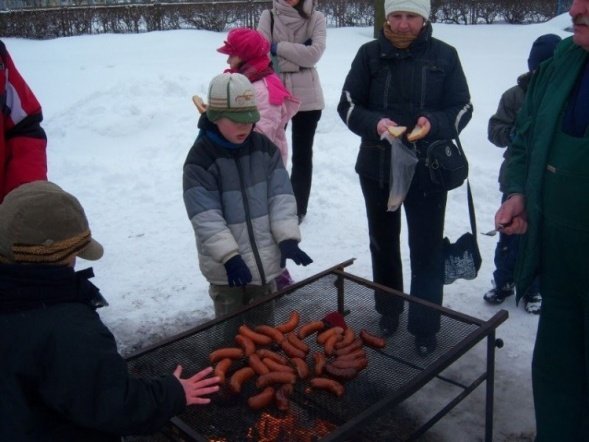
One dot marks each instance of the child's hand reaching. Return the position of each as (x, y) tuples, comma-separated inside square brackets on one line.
[(197, 386)]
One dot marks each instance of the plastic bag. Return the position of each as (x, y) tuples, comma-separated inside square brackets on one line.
[(403, 162)]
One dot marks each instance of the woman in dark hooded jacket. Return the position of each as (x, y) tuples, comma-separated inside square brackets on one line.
[(405, 78)]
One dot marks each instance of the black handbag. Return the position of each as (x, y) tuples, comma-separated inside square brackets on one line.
[(462, 259), (447, 164)]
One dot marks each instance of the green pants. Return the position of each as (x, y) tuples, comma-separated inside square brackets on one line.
[(229, 300), (560, 366)]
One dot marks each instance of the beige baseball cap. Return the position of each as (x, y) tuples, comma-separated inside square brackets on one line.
[(232, 96), (40, 223)]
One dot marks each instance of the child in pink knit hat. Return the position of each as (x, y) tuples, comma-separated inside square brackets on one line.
[(248, 55)]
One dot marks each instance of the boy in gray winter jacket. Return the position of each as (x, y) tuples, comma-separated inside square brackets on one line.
[(239, 199)]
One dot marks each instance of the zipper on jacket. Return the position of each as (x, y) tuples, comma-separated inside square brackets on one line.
[(423, 86), (248, 221)]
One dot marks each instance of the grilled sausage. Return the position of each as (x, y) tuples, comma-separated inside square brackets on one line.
[(372, 340), (297, 342), (256, 363), (328, 384), (349, 336), (239, 377), (291, 350), (355, 345), (320, 361), (356, 354), (341, 373), (275, 377), (275, 366), (262, 399), (265, 353), (246, 344), (275, 334), (329, 346), (221, 369), (324, 336), (310, 328), (227, 352), (301, 367), (291, 324), (258, 338)]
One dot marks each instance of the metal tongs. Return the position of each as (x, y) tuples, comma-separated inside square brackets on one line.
[(494, 232)]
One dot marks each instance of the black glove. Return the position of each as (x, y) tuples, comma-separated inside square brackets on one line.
[(237, 272), (308, 42), (289, 248)]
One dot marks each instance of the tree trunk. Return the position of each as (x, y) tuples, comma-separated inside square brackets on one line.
[(379, 17)]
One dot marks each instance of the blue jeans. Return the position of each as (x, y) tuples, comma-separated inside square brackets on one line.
[(506, 253)]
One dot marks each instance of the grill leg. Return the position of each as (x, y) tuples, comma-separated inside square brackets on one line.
[(490, 387)]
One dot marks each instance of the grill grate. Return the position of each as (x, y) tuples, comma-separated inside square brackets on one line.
[(312, 414)]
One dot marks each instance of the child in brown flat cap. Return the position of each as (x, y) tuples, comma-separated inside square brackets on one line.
[(62, 376)]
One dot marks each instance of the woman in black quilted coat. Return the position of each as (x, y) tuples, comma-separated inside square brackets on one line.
[(405, 78)]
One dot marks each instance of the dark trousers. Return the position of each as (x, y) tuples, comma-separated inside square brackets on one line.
[(304, 124), (506, 252), (560, 365), (425, 214), (505, 257)]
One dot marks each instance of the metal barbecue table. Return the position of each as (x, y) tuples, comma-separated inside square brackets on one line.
[(394, 373)]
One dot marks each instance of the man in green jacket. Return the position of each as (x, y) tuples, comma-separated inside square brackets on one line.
[(548, 188)]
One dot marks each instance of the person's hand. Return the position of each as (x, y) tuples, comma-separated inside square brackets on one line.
[(382, 127), (289, 249), (197, 386), (511, 218), (238, 274), (421, 129), (308, 42)]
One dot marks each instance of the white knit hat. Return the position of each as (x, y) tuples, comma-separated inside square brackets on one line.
[(419, 7), (232, 96)]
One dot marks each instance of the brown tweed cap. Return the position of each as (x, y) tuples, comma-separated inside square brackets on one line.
[(40, 223)]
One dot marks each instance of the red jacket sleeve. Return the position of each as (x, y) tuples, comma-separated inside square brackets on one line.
[(23, 145)]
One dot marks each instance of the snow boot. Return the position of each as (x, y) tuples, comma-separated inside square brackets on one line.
[(497, 296), (533, 303)]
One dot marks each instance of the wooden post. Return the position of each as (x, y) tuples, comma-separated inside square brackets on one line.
[(379, 17)]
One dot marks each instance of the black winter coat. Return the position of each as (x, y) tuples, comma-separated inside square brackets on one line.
[(61, 377), (425, 79)]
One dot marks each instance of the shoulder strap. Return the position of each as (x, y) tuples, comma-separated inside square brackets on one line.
[(471, 214), (271, 24)]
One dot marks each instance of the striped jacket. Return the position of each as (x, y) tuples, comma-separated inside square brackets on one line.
[(23, 142), (239, 201)]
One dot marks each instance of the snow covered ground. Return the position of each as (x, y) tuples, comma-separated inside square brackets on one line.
[(120, 121)]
